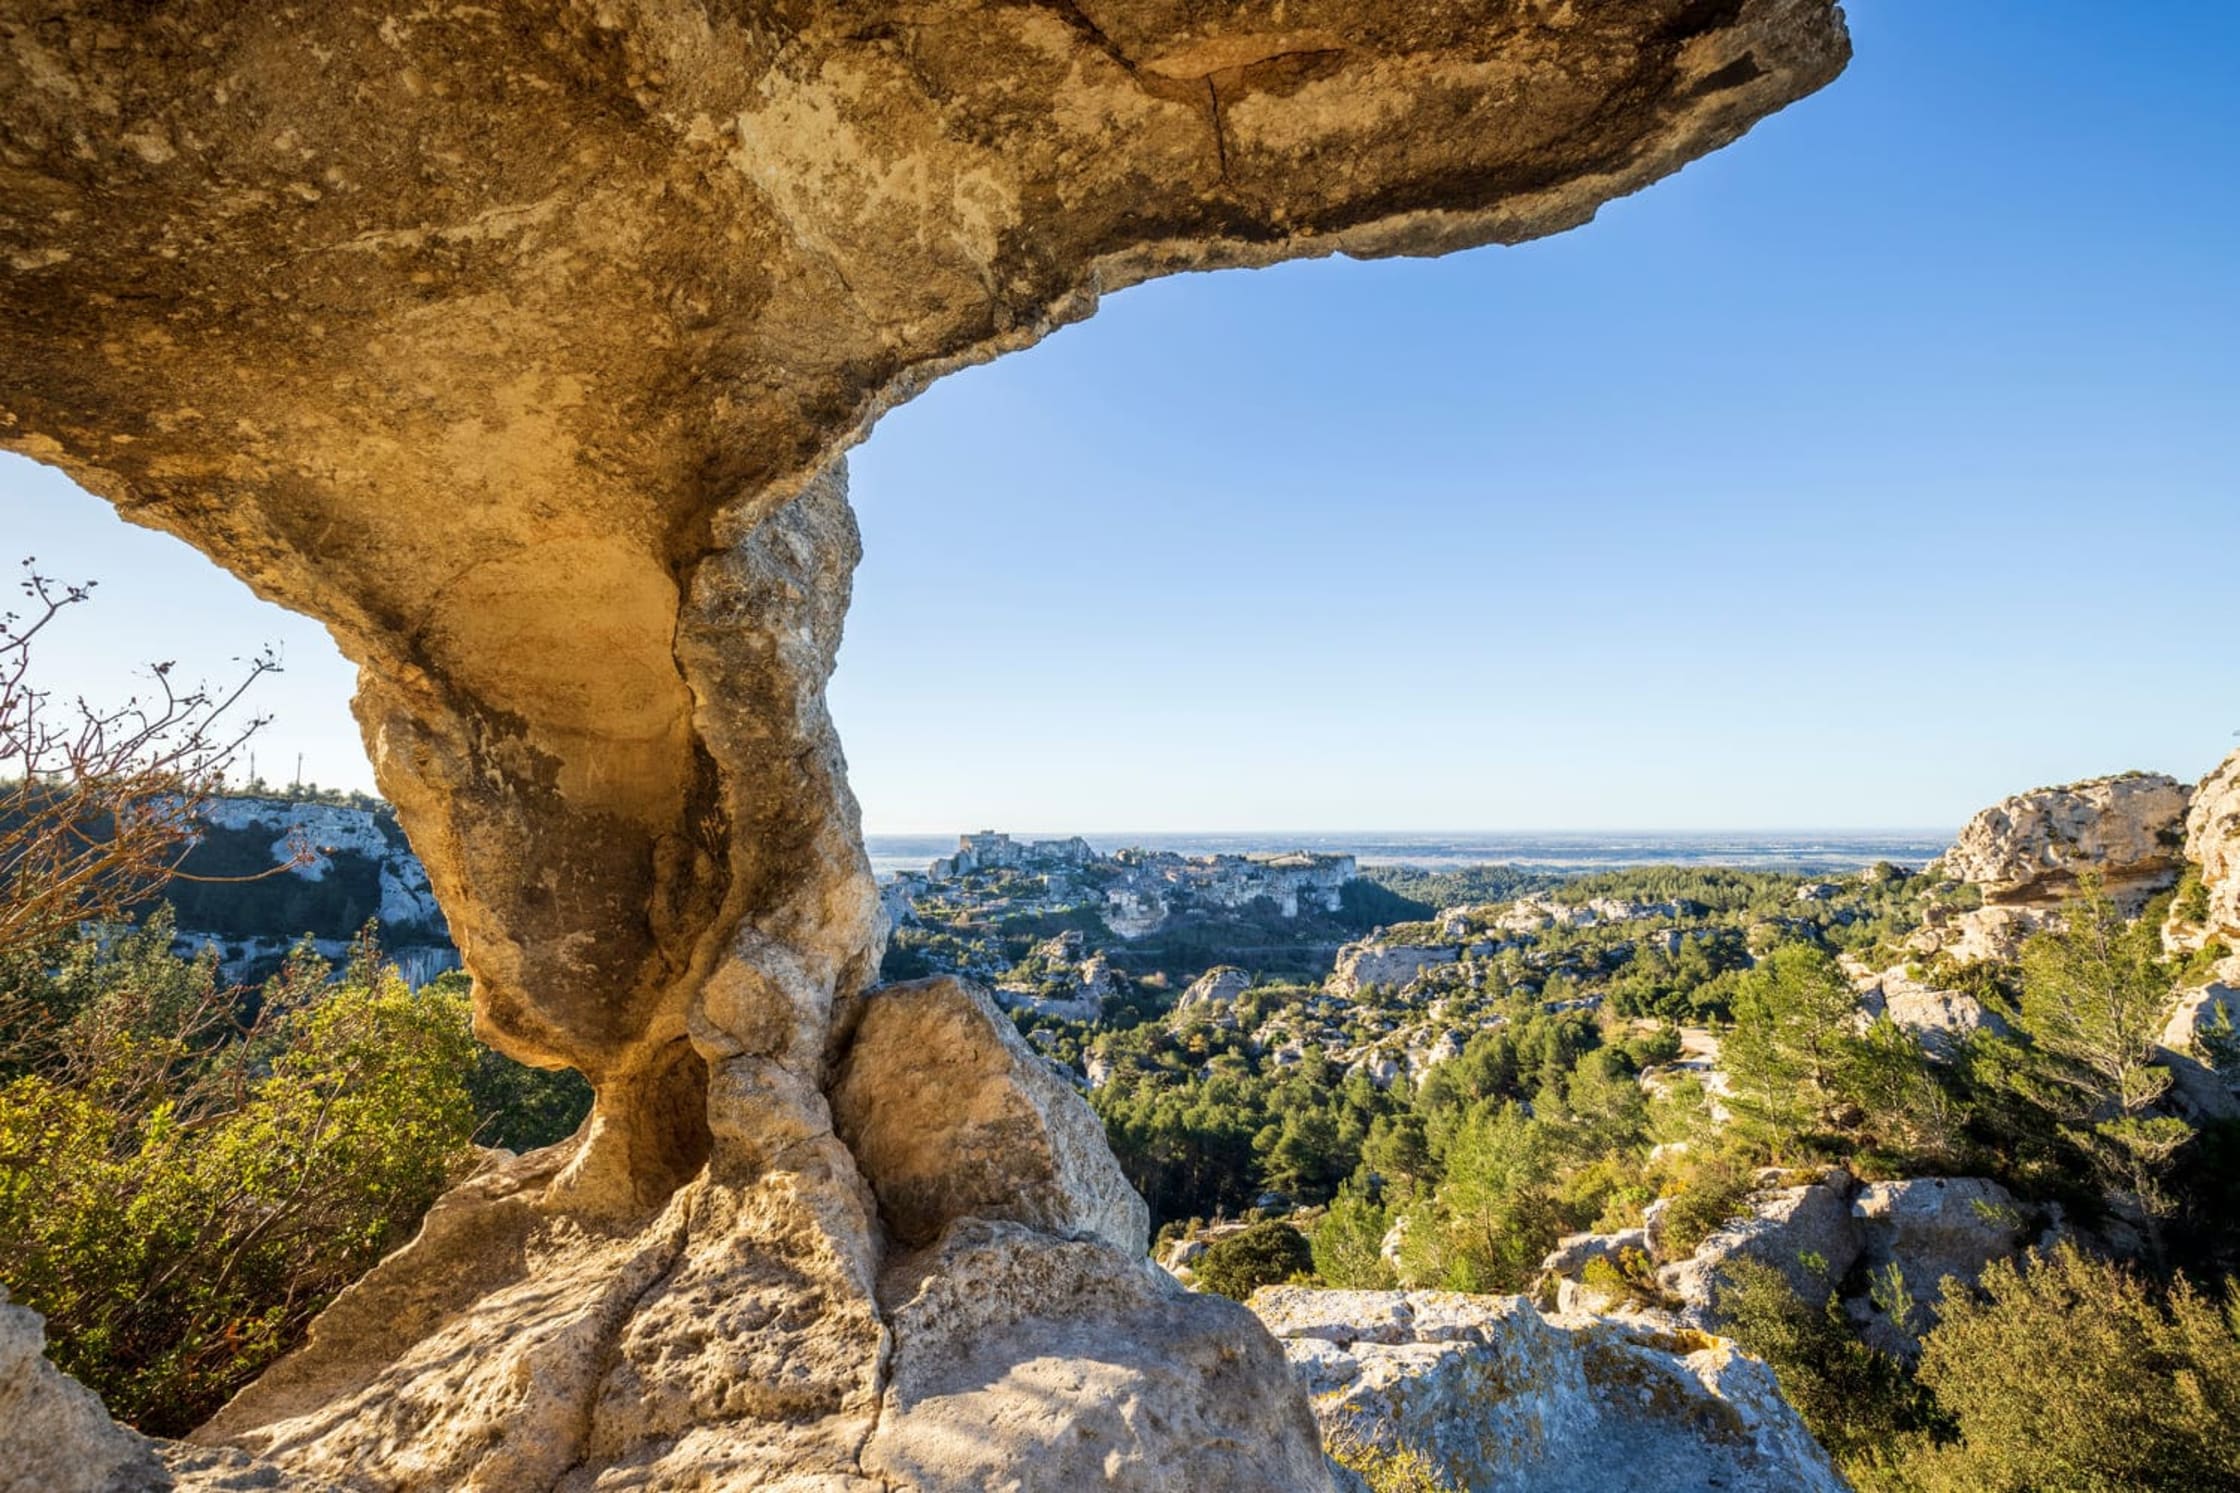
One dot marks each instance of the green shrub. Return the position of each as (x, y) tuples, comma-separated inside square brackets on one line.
[(180, 1193), (1348, 1245), (1628, 1277), (1717, 1193), (2073, 1375), (1267, 1253), (1855, 1401)]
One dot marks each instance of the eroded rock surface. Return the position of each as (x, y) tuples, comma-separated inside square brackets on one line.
[(2199, 1048), (1825, 1234), (519, 346), (2213, 844), (2030, 854), (1501, 1399), (2033, 848), (54, 1435), (951, 1115), (1806, 1232), (1026, 1361), (1929, 1230), (1214, 991), (1371, 961), (1941, 1020)]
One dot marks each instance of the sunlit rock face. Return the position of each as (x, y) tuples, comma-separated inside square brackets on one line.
[(2033, 849), (519, 344), (1499, 1398), (2213, 844), (2032, 853)]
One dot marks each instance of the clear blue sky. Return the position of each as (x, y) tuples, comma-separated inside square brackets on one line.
[(1883, 464)]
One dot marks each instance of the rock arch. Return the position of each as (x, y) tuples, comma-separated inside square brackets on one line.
[(519, 344)]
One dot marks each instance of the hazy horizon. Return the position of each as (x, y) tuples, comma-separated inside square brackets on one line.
[(1562, 852)]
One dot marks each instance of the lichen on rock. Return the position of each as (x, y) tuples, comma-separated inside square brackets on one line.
[(1500, 1398)]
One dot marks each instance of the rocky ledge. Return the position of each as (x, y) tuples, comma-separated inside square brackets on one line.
[(1500, 1398), (2033, 847)]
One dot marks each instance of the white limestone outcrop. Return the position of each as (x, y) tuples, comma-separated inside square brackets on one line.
[(1503, 1399), (2213, 844), (1371, 961), (1215, 990), (2033, 848)]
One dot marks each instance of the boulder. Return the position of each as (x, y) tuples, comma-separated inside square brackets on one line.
[(1931, 1229), (1503, 1399), (2032, 848), (1371, 961), (1029, 1362), (54, 1435), (1995, 933), (950, 1114), (1788, 1228), (1565, 1268), (1573, 1251), (1939, 1019), (1214, 990)]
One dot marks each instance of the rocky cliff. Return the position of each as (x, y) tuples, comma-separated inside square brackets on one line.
[(2028, 854), (265, 872), (519, 345), (2030, 849), (2200, 924), (1373, 961)]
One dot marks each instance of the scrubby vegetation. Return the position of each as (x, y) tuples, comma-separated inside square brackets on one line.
[(2061, 1373), (1266, 1253), (1567, 1105), (188, 1173)]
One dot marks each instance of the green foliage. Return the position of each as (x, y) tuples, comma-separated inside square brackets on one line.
[(2081, 1074), (1348, 1242), (1514, 1181), (1694, 984), (1713, 1194), (1629, 1276), (2073, 1375), (181, 1190), (1267, 1253), (1791, 1045), (2190, 901), (2094, 999), (1370, 902), (1908, 1112), (519, 1108), (215, 892), (1856, 1402), (1462, 886)]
